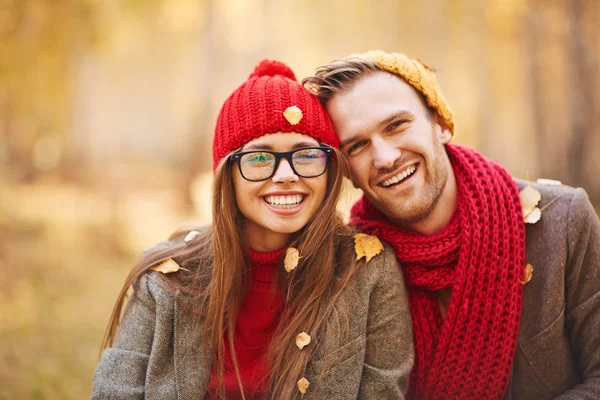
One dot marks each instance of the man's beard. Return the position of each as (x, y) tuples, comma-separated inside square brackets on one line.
[(421, 206)]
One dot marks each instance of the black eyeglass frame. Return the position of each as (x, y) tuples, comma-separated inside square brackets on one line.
[(237, 157)]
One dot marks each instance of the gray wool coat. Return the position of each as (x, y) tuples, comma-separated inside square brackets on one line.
[(558, 349), (158, 353)]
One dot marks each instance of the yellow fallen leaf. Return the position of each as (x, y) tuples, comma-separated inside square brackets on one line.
[(303, 384), (534, 216), (530, 198), (302, 340), (293, 114), (168, 266), (367, 246), (191, 236), (528, 274), (292, 256), (549, 182)]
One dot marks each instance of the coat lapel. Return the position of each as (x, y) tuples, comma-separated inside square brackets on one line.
[(192, 371)]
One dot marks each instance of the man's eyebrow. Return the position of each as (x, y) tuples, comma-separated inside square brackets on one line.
[(350, 140), (398, 114), (383, 124)]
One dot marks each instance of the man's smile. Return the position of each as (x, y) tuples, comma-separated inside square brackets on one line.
[(401, 176)]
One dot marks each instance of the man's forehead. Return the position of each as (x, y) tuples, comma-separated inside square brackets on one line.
[(371, 100)]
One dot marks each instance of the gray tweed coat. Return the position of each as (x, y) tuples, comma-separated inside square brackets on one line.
[(558, 350), (158, 353)]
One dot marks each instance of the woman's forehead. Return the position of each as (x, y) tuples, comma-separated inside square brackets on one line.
[(281, 141)]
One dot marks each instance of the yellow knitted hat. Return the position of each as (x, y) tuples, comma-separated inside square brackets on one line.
[(417, 75)]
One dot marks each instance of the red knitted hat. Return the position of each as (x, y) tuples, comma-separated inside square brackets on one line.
[(270, 101)]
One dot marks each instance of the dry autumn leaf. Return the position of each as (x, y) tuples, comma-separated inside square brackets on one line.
[(293, 114), (191, 236), (530, 198), (303, 385), (528, 274), (302, 340), (534, 216), (292, 256), (366, 246), (168, 266)]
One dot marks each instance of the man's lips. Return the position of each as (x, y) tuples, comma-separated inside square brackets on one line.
[(399, 176)]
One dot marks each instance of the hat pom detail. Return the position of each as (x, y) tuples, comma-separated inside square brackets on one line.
[(272, 68)]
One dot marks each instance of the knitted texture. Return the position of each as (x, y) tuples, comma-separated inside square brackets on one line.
[(419, 76), (480, 255), (257, 320), (256, 108)]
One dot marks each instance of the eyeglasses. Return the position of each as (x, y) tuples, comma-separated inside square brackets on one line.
[(308, 162)]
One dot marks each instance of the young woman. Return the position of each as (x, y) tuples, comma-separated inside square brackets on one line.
[(269, 302)]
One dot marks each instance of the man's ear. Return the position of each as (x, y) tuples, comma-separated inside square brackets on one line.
[(443, 132)]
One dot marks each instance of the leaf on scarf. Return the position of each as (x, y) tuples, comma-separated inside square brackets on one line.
[(528, 274), (292, 256), (293, 114), (367, 246), (191, 236), (530, 198), (302, 340), (168, 266), (303, 385)]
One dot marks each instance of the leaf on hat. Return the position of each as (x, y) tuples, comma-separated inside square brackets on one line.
[(191, 236), (292, 256), (530, 198), (293, 114), (528, 274), (303, 385), (302, 340), (367, 246), (168, 266)]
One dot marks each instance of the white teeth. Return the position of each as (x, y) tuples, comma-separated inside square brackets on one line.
[(284, 201), (400, 177)]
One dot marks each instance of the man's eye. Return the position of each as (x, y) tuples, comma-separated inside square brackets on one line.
[(396, 124), (355, 148)]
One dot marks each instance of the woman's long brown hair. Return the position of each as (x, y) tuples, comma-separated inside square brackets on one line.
[(219, 272)]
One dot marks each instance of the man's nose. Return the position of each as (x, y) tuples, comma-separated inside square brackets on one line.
[(384, 153), (284, 173)]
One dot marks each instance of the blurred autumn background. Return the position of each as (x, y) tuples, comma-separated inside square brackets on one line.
[(107, 109)]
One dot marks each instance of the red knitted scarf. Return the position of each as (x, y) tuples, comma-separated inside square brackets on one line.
[(480, 255)]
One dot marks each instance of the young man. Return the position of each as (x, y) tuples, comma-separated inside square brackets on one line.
[(485, 328)]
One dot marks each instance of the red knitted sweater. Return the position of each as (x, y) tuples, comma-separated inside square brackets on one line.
[(257, 321)]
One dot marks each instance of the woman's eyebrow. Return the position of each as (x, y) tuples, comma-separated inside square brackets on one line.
[(304, 144), (265, 146)]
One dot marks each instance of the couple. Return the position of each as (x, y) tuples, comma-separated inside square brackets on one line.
[(279, 299)]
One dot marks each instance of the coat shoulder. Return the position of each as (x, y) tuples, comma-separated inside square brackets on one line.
[(558, 201), (383, 266)]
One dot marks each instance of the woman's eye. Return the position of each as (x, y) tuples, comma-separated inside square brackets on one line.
[(260, 157), (257, 158)]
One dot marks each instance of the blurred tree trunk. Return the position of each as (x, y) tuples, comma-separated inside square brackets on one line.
[(580, 93), (533, 23)]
